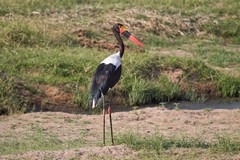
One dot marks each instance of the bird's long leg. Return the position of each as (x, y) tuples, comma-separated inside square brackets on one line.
[(103, 122), (110, 117)]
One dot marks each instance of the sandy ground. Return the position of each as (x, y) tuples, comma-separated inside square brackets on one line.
[(204, 124)]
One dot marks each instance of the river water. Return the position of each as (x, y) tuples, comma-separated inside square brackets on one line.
[(209, 104)]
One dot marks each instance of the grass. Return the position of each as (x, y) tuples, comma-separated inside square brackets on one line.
[(38, 140), (59, 46), (26, 7), (155, 146), (158, 143), (218, 56), (67, 68), (60, 43), (10, 101), (229, 86)]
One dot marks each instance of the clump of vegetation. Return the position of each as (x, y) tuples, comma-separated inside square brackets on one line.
[(229, 86), (10, 100)]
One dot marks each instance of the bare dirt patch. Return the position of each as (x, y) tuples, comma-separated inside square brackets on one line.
[(55, 99), (90, 43), (111, 152), (174, 76)]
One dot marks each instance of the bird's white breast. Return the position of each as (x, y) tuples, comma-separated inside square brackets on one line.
[(114, 59)]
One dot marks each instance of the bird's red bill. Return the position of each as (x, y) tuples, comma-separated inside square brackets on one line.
[(135, 40), (129, 36)]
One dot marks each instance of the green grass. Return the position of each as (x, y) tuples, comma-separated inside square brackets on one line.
[(26, 7), (36, 140), (47, 48), (155, 145), (218, 56), (221, 27), (72, 68), (158, 143), (229, 86), (185, 7), (10, 101)]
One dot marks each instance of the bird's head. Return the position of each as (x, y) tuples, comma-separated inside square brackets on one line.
[(119, 28)]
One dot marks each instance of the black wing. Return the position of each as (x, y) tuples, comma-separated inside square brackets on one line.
[(115, 76), (106, 77)]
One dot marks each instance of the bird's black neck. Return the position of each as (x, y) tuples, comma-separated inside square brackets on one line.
[(120, 42)]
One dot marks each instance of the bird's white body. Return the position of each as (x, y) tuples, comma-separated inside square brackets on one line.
[(114, 59)]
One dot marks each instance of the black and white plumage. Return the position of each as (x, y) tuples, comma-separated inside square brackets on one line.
[(108, 73)]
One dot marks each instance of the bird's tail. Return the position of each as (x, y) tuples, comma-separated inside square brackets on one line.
[(95, 97)]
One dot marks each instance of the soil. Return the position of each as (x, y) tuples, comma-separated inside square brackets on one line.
[(202, 124)]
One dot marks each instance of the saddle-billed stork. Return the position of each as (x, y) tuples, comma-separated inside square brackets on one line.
[(108, 74)]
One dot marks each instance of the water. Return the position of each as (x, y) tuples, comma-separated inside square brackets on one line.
[(209, 104)]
